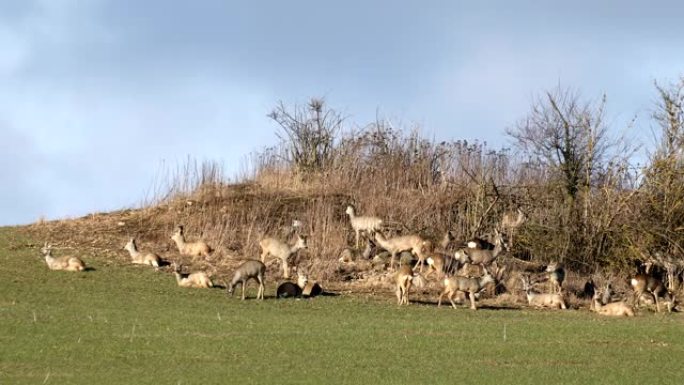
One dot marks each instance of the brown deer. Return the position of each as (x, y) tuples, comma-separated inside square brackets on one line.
[(644, 283), (251, 269), (471, 286), (191, 249)]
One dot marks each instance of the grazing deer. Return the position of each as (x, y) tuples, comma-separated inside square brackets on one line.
[(542, 300), (472, 286), (412, 243), (282, 251), (141, 258), (191, 249), (617, 309), (510, 222), (251, 269), (364, 223), (556, 275), (199, 279), (643, 283), (484, 257), (66, 263), (404, 279)]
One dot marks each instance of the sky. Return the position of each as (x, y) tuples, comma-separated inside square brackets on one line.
[(98, 97)]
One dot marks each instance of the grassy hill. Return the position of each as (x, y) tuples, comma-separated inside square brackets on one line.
[(123, 324)]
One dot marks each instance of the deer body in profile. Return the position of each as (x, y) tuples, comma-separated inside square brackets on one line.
[(66, 263), (471, 286), (412, 243), (362, 223), (198, 279), (485, 257), (645, 283), (141, 258), (281, 251), (191, 249), (251, 269)]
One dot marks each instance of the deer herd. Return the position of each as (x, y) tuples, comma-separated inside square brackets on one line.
[(465, 269)]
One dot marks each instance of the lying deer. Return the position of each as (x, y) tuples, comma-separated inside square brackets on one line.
[(617, 309), (141, 258), (198, 279), (542, 300), (192, 249), (66, 263)]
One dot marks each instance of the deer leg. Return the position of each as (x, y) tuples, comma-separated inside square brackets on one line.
[(655, 296), (472, 300), (286, 269), (407, 289), (439, 301), (260, 295), (244, 283), (451, 298), (357, 238)]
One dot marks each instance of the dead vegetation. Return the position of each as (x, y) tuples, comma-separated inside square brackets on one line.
[(576, 198)]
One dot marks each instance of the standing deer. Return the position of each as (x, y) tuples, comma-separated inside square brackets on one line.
[(251, 269), (510, 222), (644, 283), (472, 286), (412, 243), (362, 223), (66, 263), (485, 256), (403, 279), (191, 249), (282, 251)]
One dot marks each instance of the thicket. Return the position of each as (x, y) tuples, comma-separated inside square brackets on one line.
[(587, 205)]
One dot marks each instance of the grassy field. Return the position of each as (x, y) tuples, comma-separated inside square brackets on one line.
[(121, 324)]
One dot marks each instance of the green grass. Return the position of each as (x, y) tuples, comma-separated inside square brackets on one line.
[(123, 324)]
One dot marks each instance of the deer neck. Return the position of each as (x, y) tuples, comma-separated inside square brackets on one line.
[(295, 248), (179, 277), (382, 241), (598, 305), (485, 279), (133, 251), (180, 240)]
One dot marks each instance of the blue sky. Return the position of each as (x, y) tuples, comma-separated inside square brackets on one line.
[(96, 96)]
